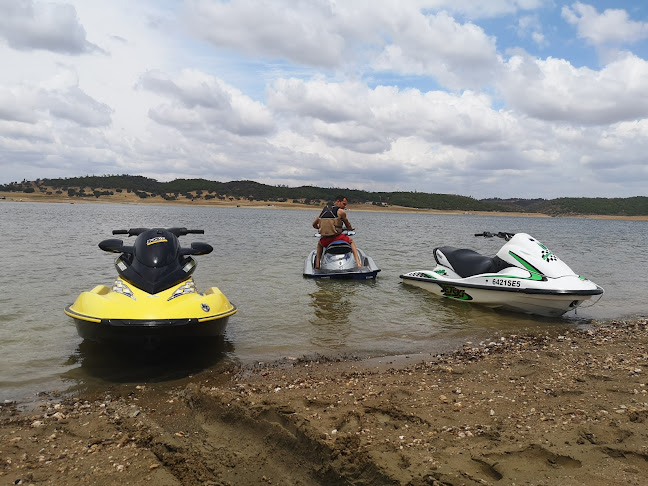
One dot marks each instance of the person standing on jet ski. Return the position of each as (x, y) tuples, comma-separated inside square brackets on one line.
[(329, 225)]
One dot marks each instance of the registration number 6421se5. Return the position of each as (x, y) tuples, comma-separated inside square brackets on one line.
[(506, 282)]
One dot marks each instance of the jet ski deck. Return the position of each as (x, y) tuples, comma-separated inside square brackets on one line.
[(103, 314)]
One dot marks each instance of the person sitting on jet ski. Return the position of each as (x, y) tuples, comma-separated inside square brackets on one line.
[(329, 225)]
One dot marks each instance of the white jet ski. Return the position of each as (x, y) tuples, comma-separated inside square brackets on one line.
[(338, 262), (524, 276)]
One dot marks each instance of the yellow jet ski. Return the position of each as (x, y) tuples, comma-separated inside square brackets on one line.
[(154, 297)]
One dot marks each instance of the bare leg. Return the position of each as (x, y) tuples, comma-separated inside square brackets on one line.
[(318, 256), (355, 253)]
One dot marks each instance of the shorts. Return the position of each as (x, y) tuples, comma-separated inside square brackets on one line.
[(326, 241)]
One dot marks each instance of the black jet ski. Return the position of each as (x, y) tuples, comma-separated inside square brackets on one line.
[(154, 296)]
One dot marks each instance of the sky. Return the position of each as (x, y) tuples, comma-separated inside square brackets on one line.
[(499, 98)]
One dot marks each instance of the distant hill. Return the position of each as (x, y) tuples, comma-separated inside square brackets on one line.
[(565, 206), (144, 187)]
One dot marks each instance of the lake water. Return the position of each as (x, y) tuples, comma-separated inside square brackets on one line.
[(49, 255)]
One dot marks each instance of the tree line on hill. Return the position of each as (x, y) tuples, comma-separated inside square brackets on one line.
[(144, 187)]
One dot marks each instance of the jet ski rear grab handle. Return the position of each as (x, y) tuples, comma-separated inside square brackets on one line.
[(344, 232)]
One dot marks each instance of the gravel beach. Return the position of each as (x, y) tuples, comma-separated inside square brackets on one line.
[(546, 409)]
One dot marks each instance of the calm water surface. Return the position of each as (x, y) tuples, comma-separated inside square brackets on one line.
[(50, 255)]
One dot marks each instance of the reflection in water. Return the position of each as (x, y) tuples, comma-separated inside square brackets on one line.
[(333, 304), (121, 364), (468, 319)]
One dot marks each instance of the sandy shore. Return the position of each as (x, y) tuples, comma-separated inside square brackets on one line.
[(130, 198), (566, 409)]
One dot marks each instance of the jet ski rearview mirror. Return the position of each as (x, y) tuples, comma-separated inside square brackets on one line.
[(197, 248), (112, 245)]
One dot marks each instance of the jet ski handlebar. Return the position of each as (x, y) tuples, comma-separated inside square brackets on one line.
[(501, 234), (175, 231), (117, 246)]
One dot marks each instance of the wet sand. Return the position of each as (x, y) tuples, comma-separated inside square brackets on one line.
[(547, 409)]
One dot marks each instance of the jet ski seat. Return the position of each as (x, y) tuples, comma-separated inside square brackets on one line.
[(338, 248), (467, 263)]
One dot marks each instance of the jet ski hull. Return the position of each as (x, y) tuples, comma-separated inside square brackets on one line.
[(104, 314), (146, 332), (341, 267), (517, 293)]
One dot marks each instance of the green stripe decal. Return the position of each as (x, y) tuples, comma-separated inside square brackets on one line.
[(535, 273)]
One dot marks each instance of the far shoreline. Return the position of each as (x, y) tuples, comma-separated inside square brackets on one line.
[(131, 198)]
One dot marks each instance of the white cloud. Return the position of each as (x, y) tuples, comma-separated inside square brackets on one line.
[(48, 104), (392, 113), (612, 26), (76, 106), (331, 102), (16, 105), (554, 90), (391, 36), (26, 25), (301, 31), (197, 101), (458, 55)]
